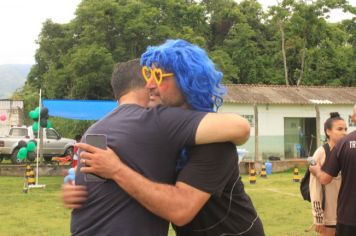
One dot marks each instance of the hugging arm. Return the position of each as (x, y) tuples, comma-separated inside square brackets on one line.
[(181, 202), (206, 172), (222, 127), (203, 127), (177, 203)]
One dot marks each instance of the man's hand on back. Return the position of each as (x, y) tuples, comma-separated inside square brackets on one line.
[(104, 163)]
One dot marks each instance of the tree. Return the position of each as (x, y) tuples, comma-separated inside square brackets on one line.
[(222, 15), (331, 63), (291, 44), (86, 76), (280, 16), (224, 62), (119, 31), (249, 45)]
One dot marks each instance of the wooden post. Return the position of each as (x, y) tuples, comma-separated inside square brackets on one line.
[(256, 132), (317, 125)]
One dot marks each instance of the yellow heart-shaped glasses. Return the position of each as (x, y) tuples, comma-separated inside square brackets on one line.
[(155, 73)]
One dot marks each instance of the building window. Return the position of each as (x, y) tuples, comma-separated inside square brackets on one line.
[(249, 118), (351, 124)]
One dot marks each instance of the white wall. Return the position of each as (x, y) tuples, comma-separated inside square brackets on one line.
[(271, 117), (11, 109), (271, 122)]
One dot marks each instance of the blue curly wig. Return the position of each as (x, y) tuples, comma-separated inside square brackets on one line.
[(195, 73)]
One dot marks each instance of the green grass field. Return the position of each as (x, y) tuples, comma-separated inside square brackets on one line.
[(40, 212), (280, 205)]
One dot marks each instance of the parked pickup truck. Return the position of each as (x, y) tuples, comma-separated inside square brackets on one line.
[(53, 143)]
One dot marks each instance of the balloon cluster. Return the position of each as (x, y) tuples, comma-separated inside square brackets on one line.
[(41, 113), (27, 150)]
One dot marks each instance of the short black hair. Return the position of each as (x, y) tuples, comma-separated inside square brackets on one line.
[(78, 137), (126, 77)]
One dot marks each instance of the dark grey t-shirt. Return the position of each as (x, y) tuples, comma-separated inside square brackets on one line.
[(213, 168), (148, 141)]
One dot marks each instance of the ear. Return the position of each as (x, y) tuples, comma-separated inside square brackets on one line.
[(354, 118), (328, 132)]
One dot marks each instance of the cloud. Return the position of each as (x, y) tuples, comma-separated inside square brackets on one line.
[(21, 23)]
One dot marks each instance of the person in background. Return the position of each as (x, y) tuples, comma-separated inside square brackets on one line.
[(324, 198), (343, 158)]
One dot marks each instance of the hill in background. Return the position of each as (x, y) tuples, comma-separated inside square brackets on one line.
[(12, 77)]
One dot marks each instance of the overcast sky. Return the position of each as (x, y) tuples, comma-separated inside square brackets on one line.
[(21, 22)]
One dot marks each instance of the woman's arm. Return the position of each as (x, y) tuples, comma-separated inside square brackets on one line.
[(316, 192)]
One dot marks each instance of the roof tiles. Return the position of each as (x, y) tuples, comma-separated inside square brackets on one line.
[(279, 94)]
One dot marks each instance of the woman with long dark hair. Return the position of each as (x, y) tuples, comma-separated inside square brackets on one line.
[(324, 198)]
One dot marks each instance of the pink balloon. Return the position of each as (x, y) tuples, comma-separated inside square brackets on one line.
[(2, 117)]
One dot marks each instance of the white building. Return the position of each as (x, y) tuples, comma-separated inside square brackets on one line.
[(11, 112), (287, 121)]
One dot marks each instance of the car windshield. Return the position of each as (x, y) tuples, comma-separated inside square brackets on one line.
[(19, 132)]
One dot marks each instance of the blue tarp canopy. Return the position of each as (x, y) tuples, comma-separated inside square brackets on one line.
[(79, 109)]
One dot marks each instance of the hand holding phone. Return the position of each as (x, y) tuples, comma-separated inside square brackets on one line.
[(99, 141), (311, 161)]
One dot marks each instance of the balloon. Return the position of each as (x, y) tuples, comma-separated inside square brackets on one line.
[(2, 117), (49, 124), (43, 123), (21, 144), (33, 115), (70, 176), (38, 110), (71, 171), (31, 146), (31, 156), (30, 114), (68, 179), (34, 141), (35, 127), (22, 154), (44, 112)]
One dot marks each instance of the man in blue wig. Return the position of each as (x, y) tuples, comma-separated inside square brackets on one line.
[(208, 197), (146, 140)]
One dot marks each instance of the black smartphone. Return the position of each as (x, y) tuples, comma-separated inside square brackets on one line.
[(99, 141)]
